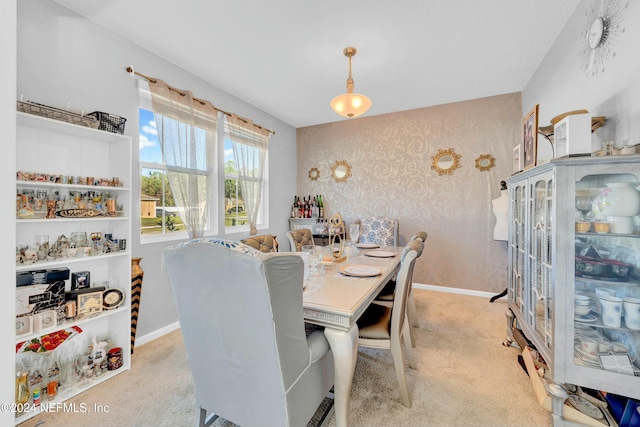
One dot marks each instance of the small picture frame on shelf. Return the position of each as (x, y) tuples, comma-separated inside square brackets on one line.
[(44, 321), (89, 303), (530, 138), (517, 159), (24, 325), (80, 280)]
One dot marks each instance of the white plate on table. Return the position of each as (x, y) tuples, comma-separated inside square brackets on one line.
[(360, 271), (367, 245), (380, 254)]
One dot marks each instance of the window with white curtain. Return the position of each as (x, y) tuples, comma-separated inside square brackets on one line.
[(160, 220), (235, 210)]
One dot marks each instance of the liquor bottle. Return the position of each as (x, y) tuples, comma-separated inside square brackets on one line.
[(294, 207), (320, 207)]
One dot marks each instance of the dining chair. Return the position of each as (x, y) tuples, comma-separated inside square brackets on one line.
[(263, 243), (299, 238), (387, 327), (241, 317), (380, 230), (386, 295)]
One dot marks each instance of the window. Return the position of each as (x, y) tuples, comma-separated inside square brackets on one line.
[(159, 216), (235, 207)]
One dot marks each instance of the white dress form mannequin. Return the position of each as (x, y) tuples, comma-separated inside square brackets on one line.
[(501, 211), (500, 232)]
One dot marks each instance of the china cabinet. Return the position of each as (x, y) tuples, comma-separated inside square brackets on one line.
[(575, 295), (68, 164)]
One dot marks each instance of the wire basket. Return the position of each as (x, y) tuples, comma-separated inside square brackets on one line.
[(57, 114), (109, 122)]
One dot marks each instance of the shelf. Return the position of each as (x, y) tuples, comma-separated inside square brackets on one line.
[(54, 147), (57, 126), (592, 234), (65, 261), (71, 323), (60, 220), (75, 390), (44, 184)]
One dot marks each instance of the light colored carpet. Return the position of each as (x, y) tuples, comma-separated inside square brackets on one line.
[(465, 377)]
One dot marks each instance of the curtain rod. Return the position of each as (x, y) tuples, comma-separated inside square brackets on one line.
[(131, 71)]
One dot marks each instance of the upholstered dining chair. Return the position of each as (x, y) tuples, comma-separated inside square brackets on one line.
[(263, 242), (380, 230), (386, 296), (387, 327), (299, 238), (240, 313)]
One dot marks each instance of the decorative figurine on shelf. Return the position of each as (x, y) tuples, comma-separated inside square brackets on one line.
[(51, 208), (337, 229)]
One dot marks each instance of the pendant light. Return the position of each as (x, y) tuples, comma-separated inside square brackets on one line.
[(350, 104)]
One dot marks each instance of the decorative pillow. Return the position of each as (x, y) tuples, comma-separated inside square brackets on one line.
[(379, 230), (231, 244)]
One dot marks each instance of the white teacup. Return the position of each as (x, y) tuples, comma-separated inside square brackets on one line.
[(589, 345), (611, 311), (632, 312)]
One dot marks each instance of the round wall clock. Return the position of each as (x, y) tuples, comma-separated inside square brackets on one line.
[(601, 29)]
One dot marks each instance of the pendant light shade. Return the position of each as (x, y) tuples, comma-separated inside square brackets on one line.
[(350, 104)]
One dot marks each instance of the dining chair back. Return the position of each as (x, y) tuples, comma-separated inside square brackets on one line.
[(422, 235), (263, 243), (380, 230), (386, 296), (240, 312), (299, 238), (387, 327)]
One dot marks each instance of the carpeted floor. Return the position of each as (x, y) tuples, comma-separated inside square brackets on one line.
[(465, 377)]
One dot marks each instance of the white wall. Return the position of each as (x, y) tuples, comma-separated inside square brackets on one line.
[(559, 86), (7, 192), (64, 58)]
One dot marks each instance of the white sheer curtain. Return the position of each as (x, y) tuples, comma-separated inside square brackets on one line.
[(250, 145), (187, 134)]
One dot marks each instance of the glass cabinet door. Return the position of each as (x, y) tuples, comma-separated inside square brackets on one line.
[(540, 255), (517, 250), (606, 298)]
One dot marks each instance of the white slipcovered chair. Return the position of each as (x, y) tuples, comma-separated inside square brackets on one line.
[(240, 311), (388, 327)]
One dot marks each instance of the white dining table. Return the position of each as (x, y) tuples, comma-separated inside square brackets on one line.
[(336, 301)]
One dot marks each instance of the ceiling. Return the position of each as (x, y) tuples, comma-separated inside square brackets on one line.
[(285, 56)]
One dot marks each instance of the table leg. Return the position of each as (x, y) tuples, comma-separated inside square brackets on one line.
[(344, 346)]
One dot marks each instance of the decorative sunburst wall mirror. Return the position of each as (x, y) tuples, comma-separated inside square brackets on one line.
[(341, 171), (314, 174), (485, 162), (445, 162)]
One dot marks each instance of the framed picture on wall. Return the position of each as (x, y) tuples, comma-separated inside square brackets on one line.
[(517, 159), (530, 138)]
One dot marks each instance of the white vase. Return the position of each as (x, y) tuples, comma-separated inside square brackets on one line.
[(618, 203)]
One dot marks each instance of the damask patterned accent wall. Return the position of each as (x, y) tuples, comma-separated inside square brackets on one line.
[(390, 158)]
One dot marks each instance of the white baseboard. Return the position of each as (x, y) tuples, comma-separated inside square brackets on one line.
[(157, 333), (470, 292)]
